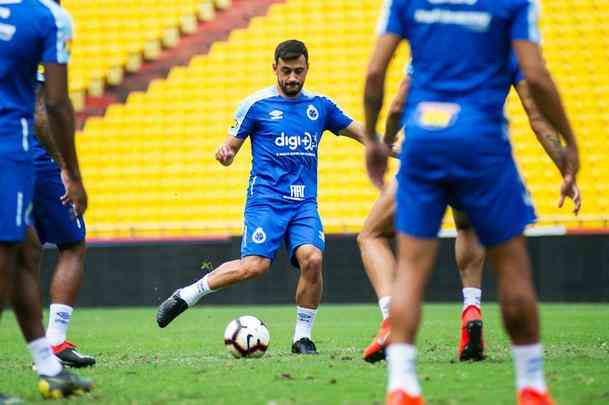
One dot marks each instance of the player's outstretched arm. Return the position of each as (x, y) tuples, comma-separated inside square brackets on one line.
[(394, 116), (547, 137), (377, 152), (546, 97), (60, 115), (228, 150), (356, 131)]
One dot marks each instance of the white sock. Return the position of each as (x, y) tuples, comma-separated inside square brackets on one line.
[(46, 363), (401, 361), (194, 292), (59, 321), (304, 323), (384, 305), (472, 296), (528, 361)]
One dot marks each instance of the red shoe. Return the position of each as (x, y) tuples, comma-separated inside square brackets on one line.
[(471, 345), (399, 397), (68, 355), (529, 396), (376, 350)]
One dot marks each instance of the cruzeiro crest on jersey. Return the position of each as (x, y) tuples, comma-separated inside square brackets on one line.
[(312, 112)]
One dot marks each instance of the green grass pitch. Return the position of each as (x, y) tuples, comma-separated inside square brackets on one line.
[(138, 363)]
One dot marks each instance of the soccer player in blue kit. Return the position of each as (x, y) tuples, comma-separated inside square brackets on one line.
[(284, 123), (375, 238), (56, 223), (457, 152), (33, 32)]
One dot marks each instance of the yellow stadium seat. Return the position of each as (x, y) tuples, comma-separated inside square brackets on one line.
[(149, 163)]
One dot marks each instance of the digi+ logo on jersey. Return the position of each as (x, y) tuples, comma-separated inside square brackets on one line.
[(293, 142)]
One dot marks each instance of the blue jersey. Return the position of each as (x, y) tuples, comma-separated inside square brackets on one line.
[(285, 134), (461, 49), (31, 32)]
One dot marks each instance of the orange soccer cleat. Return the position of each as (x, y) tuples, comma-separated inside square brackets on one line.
[(376, 350), (471, 345), (399, 397), (529, 396)]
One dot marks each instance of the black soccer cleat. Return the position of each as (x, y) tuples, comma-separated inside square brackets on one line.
[(8, 400), (63, 385), (304, 346), (474, 348), (170, 309), (68, 355)]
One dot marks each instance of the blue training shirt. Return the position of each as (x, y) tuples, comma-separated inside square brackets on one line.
[(285, 134), (31, 32), (461, 49)]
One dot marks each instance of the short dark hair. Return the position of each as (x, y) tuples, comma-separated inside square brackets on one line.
[(291, 49)]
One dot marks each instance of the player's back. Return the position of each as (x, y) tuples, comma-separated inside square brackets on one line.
[(30, 33), (460, 48)]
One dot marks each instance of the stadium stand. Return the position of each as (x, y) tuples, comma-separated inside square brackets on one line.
[(149, 163), (113, 37)]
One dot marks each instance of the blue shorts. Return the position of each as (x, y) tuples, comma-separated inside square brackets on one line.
[(267, 225), (54, 222), (469, 166), (17, 185)]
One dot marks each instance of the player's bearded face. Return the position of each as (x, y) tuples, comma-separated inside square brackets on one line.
[(291, 75)]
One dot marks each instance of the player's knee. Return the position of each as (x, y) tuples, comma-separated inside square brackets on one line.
[(363, 237), (311, 263), (472, 258), (254, 268), (75, 252)]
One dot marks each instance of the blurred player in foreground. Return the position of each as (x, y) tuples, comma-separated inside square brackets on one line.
[(58, 224), (457, 152), (33, 32), (374, 240), (285, 124)]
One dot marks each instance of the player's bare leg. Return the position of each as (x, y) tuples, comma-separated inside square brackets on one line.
[(518, 300), (65, 284), (308, 297), (469, 255), (227, 274), (415, 261), (54, 381), (379, 263)]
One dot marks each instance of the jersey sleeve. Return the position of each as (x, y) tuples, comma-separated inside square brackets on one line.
[(525, 22), (336, 119), (517, 75), (244, 122), (56, 45), (393, 18)]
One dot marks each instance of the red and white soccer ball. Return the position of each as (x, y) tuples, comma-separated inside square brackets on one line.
[(246, 336)]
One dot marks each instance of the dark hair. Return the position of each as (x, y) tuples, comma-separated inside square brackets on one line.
[(291, 49)]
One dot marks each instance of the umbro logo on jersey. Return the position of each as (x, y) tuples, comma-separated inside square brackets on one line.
[(312, 112), (276, 115)]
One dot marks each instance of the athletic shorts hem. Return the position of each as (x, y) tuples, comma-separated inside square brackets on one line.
[(265, 255)]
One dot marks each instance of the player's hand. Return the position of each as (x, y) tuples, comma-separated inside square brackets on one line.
[(225, 155), (75, 193), (376, 161), (395, 150), (570, 190)]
